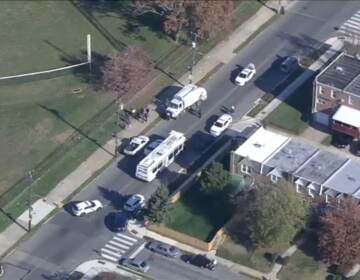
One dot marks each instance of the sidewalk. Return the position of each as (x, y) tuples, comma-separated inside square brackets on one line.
[(44, 206)]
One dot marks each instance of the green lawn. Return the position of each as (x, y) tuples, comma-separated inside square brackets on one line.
[(196, 216), (293, 114)]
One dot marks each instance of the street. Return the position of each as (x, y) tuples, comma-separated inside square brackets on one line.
[(65, 241)]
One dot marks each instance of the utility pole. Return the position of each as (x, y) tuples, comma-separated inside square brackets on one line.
[(30, 201), (193, 47)]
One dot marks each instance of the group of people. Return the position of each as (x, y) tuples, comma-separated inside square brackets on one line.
[(141, 115)]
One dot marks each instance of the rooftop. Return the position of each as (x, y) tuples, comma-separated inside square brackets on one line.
[(291, 156), (261, 145), (347, 179), (342, 73), (320, 167), (348, 116)]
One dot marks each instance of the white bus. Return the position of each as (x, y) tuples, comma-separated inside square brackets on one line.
[(162, 156)]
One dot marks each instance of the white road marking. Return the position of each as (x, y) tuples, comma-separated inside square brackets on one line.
[(109, 257), (114, 248), (119, 244), (123, 241), (126, 237), (111, 252), (133, 255)]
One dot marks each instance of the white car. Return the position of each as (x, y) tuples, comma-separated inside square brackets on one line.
[(245, 75), (152, 146), (136, 144), (222, 123), (136, 201), (86, 207)]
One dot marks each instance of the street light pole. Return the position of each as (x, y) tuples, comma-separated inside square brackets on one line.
[(30, 201), (193, 47)]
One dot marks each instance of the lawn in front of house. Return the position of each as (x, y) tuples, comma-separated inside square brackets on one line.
[(196, 216), (293, 114)]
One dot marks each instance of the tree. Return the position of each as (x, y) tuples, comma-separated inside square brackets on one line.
[(271, 214), (214, 179), (206, 18), (159, 205), (339, 234), (126, 72)]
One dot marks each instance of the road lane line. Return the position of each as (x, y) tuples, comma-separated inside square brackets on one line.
[(137, 251), (119, 244), (123, 241), (111, 252), (114, 248), (127, 237), (109, 257)]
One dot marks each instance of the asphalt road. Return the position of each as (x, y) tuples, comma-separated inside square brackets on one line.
[(65, 241)]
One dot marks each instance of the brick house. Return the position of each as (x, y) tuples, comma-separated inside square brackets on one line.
[(336, 96)]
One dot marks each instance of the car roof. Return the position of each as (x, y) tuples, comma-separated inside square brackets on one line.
[(134, 198), (138, 261), (83, 204), (139, 139), (224, 118)]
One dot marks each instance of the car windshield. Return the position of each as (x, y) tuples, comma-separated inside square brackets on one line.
[(242, 75), (132, 146), (173, 105), (219, 124)]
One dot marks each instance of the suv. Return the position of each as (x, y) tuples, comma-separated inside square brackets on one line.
[(163, 249), (135, 202), (202, 261), (289, 64), (136, 264), (86, 207), (340, 140)]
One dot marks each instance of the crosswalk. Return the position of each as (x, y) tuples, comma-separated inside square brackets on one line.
[(351, 27), (116, 247)]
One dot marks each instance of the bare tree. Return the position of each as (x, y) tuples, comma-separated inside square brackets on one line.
[(339, 234), (126, 72)]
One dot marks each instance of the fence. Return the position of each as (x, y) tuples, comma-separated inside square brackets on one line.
[(189, 240)]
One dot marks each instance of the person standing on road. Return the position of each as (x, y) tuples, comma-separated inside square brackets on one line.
[(232, 109)]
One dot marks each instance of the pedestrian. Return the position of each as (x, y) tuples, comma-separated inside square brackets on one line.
[(199, 113), (232, 109), (133, 113), (142, 114), (147, 112)]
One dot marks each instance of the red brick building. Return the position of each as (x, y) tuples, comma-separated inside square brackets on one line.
[(336, 96)]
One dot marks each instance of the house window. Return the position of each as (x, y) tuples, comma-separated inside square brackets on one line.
[(298, 188), (332, 94), (245, 169), (310, 193), (320, 101), (350, 100), (321, 90), (274, 178)]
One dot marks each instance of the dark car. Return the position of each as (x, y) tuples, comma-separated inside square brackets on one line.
[(289, 64), (120, 221), (340, 140), (356, 148), (163, 249), (202, 261)]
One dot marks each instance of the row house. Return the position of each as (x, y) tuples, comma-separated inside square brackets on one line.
[(313, 172), (336, 96)]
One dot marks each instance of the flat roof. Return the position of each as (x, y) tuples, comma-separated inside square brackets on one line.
[(291, 156), (320, 167), (347, 115), (261, 145), (342, 73), (347, 180)]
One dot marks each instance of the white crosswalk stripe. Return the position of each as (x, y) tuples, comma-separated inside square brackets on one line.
[(351, 27), (115, 248)]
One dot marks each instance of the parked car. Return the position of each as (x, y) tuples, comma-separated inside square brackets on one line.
[(163, 249), (220, 125), (202, 261), (356, 148), (136, 144), (245, 75), (289, 64), (136, 264), (135, 202), (120, 221), (149, 148), (340, 140), (85, 207)]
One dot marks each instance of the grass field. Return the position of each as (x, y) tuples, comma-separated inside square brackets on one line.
[(293, 114), (195, 215), (40, 115)]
